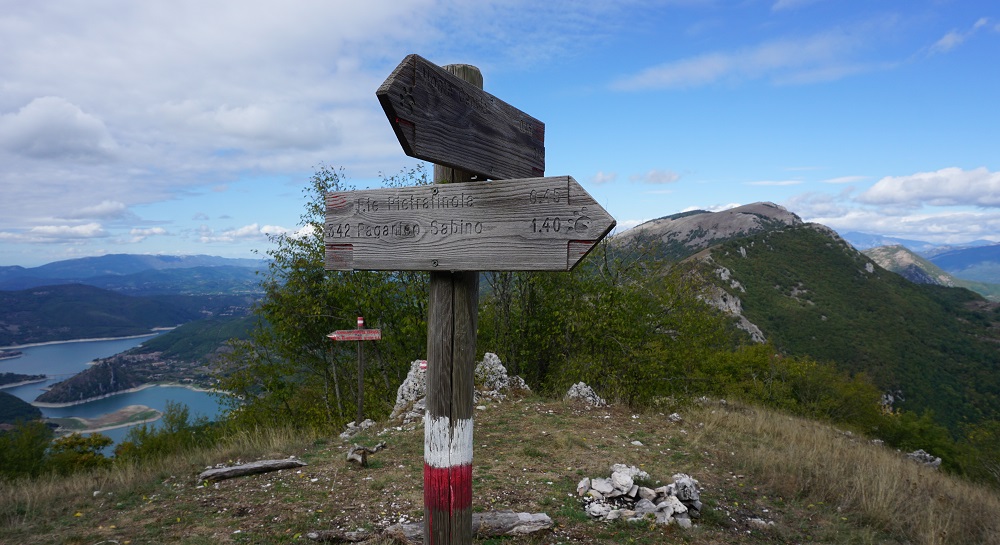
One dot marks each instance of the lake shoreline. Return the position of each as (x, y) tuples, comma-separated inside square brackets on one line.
[(156, 331)]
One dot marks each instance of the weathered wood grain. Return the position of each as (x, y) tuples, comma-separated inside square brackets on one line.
[(439, 117), (540, 224)]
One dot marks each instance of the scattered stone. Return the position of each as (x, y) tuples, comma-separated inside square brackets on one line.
[(604, 486), (637, 443), (924, 458), (675, 418), (632, 471), (581, 392), (353, 428), (598, 510), (618, 497), (621, 481)]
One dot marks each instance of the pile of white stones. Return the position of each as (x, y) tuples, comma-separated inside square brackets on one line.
[(619, 497)]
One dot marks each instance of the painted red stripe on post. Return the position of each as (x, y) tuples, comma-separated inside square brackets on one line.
[(461, 488), (448, 489)]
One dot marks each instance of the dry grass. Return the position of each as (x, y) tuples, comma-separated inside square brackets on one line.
[(815, 484), (804, 459)]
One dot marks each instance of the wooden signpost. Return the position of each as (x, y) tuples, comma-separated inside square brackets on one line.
[(454, 229), (538, 224), (359, 335)]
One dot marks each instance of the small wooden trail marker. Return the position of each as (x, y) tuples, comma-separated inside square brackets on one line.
[(439, 117), (536, 224), (359, 335)]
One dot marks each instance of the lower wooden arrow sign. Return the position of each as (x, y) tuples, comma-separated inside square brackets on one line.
[(533, 224), (356, 335)]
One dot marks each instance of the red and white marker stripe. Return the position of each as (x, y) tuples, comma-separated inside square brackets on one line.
[(447, 464)]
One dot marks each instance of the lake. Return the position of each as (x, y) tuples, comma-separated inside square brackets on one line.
[(63, 360)]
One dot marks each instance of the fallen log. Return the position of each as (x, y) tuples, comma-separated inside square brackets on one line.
[(490, 524), (251, 468), (359, 454)]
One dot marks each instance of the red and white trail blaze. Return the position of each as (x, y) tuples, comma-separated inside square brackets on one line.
[(447, 464)]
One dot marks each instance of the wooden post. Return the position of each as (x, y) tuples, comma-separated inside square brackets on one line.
[(451, 350), (361, 377)]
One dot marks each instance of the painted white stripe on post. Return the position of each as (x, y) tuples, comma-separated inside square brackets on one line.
[(441, 450)]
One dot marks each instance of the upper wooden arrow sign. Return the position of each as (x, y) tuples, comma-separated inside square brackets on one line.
[(439, 117), (540, 224)]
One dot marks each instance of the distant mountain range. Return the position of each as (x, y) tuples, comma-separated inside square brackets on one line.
[(806, 290), (909, 265), (143, 274), (977, 261), (121, 295)]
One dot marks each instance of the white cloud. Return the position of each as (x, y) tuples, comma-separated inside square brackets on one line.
[(625, 225), (844, 180), (946, 187), (713, 208), (950, 227), (604, 177), (60, 233), (139, 235), (53, 128), (780, 5), (955, 38), (775, 183), (250, 232), (656, 176), (104, 210), (816, 58)]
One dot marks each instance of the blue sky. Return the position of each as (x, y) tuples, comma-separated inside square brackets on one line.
[(190, 127)]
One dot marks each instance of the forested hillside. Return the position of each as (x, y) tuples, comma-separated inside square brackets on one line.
[(55, 313), (13, 409), (76, 311), (934, 347)]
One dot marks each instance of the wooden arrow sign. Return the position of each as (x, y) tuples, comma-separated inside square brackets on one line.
[(356, 335), (439, 117), (539, 224)]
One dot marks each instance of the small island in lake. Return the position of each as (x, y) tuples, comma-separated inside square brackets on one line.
[(10, 354)]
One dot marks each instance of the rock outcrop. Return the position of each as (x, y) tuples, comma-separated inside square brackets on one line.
[(491, 382)]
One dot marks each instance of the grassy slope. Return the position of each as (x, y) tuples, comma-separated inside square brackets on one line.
[(817, 485)]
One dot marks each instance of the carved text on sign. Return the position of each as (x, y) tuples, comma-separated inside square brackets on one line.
[(530, 224)]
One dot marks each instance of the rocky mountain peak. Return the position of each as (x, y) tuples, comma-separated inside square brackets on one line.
[(700, 229)]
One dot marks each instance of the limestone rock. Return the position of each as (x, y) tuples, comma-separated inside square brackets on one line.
[(412, 390), (924, 458), (492, 381), (581, 392), (621, 481), (604, 486)]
